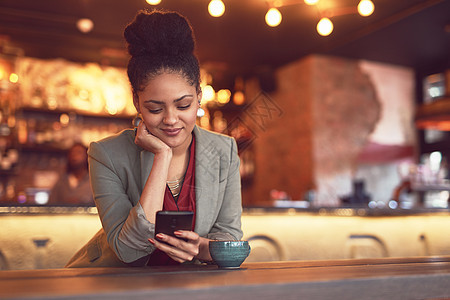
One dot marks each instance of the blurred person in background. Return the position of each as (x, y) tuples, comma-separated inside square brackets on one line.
[(73, 187)]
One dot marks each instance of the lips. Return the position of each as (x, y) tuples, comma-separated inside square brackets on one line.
[(172, 131)]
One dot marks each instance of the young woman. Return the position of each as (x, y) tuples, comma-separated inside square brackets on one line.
[(166, 163)]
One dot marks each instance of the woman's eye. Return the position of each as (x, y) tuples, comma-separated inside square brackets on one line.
[(155, 111), (184, 106)]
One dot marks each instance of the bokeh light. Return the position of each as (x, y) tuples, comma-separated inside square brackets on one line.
[(273, 17)]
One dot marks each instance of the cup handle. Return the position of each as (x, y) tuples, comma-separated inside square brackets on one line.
[(249, 250)]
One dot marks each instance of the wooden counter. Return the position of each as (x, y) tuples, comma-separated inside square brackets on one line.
[(386, 278)]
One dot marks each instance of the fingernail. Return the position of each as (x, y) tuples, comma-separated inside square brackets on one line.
[(177, 233), (151, 241), (160, 236)]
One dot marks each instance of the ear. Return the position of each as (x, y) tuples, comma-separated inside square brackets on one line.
[(136, 102), (199, 97)]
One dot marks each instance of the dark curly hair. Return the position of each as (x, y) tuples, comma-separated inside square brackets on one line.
[(160, 41)]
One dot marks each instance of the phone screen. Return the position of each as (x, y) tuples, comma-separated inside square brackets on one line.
[(168, 222)]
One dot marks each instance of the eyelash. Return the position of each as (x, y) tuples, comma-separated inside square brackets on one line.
[(156, 111), (184, 107)]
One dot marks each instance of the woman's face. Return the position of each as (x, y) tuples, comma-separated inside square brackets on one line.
[(168, 105)]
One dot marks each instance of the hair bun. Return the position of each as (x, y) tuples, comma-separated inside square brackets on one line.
[(159, 33)]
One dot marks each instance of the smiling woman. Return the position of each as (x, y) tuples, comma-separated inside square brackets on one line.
[(168, 106), (167, 163)]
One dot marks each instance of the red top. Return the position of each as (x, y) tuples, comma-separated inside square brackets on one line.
[(185, 202)]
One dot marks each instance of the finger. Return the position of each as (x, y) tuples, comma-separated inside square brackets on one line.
[(179, 256), (191, 236), (175, 253), (163, 246), (190, 248), (173, 241), (138, 131), (144, 129)]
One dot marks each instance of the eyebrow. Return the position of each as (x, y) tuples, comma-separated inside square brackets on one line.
[(162, 102)]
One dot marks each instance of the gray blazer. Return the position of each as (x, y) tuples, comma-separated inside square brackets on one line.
[(119, 169)]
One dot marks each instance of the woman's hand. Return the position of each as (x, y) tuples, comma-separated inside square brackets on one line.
[(148, 141), (180, 250)]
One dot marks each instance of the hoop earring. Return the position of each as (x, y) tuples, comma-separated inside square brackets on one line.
[(136, 120)]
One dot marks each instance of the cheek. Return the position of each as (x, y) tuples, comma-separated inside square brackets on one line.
[(191, 117), (151, 120)]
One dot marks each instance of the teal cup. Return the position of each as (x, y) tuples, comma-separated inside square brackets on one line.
[(229, 254)]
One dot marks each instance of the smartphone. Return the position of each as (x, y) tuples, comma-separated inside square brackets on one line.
[(168, 222)]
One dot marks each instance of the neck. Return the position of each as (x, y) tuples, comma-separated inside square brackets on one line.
[(183, 148)]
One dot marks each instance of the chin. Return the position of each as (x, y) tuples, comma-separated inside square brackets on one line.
[(174, 142)]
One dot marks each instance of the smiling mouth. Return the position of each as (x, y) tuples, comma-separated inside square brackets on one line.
[(172, 132)]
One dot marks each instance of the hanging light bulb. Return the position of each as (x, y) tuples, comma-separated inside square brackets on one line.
[(366, 8), (85, 25), (325, 27), (153, 2), (216, 8), (311, 2), (273, 17)]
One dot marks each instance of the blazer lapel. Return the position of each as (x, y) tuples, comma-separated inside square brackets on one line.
[(207, 168)]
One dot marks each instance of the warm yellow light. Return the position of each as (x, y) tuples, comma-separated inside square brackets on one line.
[(204, 122), (13, 78), (85, 25), (223, 96), (216, 8), (64, 119), (311, 2), (112, 110), (11, 121), (83, 94), (325, 27), (273, 17), (365, 8), (238, 98), (153, 2), (208, 93)]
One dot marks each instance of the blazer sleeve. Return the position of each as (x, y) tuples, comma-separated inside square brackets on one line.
[(228, 222), (126, 227)]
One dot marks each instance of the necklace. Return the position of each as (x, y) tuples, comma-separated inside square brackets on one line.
[(175, 186)]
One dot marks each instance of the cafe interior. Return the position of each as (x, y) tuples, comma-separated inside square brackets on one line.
[(340, 110)]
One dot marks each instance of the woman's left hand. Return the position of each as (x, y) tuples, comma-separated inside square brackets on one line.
[(186, 246)]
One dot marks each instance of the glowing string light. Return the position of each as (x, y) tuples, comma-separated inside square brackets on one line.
[(216, 8), (153, 2), (273, 17), (365, 8), (325, 27)]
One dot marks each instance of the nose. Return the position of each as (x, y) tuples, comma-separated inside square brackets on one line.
[(170, 117)]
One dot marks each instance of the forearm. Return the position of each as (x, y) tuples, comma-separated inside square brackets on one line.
[(152, 196)]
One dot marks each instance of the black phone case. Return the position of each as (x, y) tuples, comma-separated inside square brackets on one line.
[(169, 221)]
